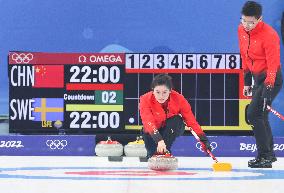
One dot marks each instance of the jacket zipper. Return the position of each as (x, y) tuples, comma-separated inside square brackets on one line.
[(248, 50)]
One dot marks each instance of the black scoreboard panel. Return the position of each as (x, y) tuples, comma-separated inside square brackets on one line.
[(212, 84), (210, 101), (99, 92)]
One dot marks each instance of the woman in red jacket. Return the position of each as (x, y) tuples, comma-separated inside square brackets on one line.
[(163, 112), (260, 52)]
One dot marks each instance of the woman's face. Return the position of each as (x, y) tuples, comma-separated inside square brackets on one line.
[(161, 93)]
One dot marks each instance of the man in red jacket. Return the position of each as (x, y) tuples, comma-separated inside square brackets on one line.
[(163, 112), (260, 52)]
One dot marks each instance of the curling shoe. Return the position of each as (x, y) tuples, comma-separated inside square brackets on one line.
[(260, 163), (271, 158)]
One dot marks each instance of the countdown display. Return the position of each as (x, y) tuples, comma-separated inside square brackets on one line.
[(99, 92)]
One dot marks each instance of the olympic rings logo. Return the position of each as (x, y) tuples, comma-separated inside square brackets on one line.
[(56, 144), (22, 57), (213, 146)]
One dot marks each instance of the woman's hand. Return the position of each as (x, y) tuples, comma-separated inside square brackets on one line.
[(161, 148)]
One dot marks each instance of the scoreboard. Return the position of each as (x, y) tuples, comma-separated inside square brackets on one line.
[(99, 92)]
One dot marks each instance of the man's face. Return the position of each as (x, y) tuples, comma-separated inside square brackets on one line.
[(161, 93), (249, 22)]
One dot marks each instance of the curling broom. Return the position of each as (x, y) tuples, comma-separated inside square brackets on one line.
[(275, 112), (217, 166)]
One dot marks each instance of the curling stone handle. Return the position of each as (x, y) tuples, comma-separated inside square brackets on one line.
[(166, 153)]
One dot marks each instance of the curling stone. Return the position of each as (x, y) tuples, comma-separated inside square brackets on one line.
[(163, 162), (109, 148), (135, 148)]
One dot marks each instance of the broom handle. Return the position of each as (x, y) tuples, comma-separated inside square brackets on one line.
[(198, 139), (275, 112)]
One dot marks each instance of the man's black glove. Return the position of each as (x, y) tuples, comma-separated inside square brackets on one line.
[(205, 143), (266, 95)]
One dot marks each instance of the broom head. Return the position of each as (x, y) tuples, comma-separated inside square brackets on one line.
[(222, 167)]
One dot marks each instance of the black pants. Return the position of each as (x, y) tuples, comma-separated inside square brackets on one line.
[(259, 119), (174, 127)]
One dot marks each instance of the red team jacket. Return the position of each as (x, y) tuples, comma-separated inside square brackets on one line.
[(153, 115), (260, 52)]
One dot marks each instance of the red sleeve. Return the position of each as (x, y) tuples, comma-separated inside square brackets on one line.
[(146, 114), (244, 64), (188, 116), (272, 54)]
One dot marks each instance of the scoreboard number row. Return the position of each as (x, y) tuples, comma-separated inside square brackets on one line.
[(182, 61)]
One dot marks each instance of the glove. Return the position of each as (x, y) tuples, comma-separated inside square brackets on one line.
[(266, 95), (205, 143), (247, 91)]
